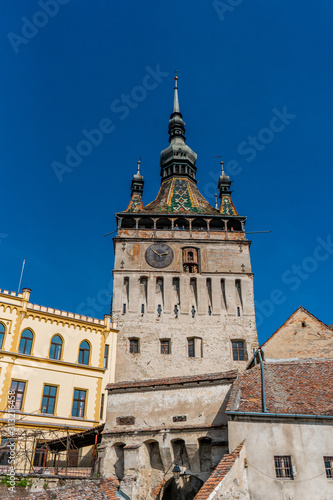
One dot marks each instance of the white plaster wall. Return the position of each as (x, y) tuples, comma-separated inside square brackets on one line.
[(235, 484), (307, 443), (201, 404)]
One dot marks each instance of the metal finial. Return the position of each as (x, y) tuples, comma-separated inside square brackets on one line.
[(139, 163), (216, 205), (175, 98), (222, 162)]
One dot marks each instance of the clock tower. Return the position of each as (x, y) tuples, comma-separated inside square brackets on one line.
[(183, 285)]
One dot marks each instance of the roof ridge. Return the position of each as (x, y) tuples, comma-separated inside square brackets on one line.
[(173, 380), (219, 473)]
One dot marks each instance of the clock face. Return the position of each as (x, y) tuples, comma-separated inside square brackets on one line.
[(159, 255)]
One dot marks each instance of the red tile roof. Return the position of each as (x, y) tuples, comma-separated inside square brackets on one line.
[(219, 474), (230, 375), (291, 387)]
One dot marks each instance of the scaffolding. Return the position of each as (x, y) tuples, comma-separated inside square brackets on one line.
[(56, 452)]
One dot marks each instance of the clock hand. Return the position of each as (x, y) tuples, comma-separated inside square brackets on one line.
[(157, 253)]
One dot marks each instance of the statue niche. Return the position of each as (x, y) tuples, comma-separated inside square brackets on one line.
[(190, 260)]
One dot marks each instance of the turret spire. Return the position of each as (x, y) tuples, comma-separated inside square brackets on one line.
[(227, 207), (137, 181), (224, 182), (136, 205)]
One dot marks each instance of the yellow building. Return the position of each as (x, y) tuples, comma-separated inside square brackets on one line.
[(54, 367)]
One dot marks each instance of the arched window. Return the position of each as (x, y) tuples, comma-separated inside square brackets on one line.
[(26, 342), (84, 353), (2, 334), (56, 347)]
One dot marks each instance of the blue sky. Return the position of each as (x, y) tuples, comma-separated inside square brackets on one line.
[(240, 64)]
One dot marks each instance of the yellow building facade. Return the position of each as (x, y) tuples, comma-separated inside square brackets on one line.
[(55, 366)]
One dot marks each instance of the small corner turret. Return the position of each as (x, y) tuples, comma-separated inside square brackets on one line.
[(136, 205), (226, 207)]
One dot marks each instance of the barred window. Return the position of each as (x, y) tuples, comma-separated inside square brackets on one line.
[(283, 467), (165, 347), (134, 346), (329, 467), (238, 350)]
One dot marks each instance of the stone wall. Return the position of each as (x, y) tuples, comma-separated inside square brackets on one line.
[(151, 428), (221, 296)]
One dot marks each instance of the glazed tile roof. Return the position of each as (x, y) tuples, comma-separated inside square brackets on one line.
[(232, 374), (227, 206), (219, 474), (291, 387), (178, 195), (135, 205)]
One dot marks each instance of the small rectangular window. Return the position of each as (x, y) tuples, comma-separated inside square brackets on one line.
[(191, 348), (238, 311), (40, 456), (106, 356), (165, 347), (17, 391), (134, 346), (329, 467), (142, 309), (4, 452), (79, 403), (102, 408), (238, 351), (124, 308), (49, 399), (283, 467)]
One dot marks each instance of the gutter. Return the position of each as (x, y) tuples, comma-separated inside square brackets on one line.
[(278, 415)]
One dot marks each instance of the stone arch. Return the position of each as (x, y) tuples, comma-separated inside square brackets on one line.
[(185, 488)]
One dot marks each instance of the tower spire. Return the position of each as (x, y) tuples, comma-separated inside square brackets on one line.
[(176, 122), (178, 159), (175, 97)]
